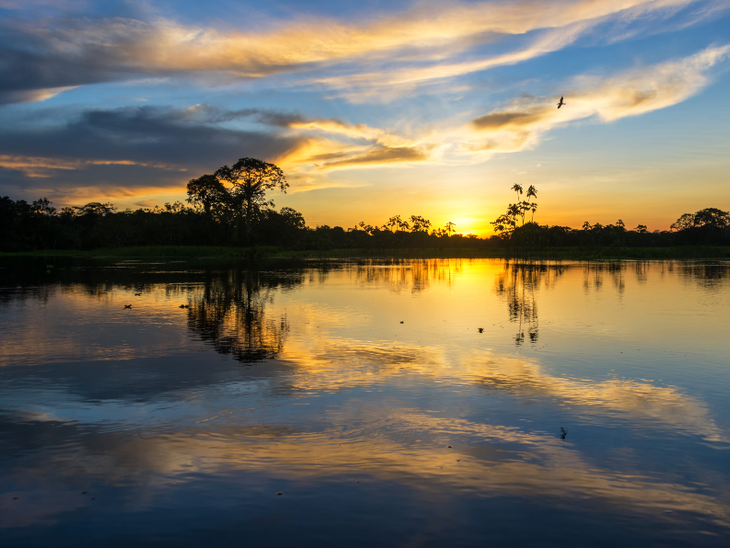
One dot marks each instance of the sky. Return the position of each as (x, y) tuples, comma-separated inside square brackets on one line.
[(374, 108)]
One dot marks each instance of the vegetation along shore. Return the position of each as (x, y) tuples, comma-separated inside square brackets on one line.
[(228, 214)]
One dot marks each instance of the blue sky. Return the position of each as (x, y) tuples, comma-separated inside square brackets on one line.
[(374, 108)]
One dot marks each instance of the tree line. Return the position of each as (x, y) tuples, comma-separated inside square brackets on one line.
[(231, 207), (710, 226)]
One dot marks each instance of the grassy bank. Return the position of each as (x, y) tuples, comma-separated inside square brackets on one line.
[(223, 252), (143, 252)]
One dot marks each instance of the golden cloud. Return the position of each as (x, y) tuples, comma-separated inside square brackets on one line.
[(425, 33), (632, 93), (517, 127), (334, 144), (324, 40), (40, 167)]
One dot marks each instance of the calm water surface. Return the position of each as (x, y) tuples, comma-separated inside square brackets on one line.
[(413, 403)]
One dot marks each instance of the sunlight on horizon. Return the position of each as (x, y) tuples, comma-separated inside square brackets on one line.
[(415, 109)]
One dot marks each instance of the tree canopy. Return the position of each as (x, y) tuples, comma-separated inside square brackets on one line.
[(710, 217), (250, 179), (237, 193)]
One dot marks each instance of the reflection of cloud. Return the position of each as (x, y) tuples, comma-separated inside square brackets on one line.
[(629, 94), (224, 425), (38, 506), (637, 400), (378, 445)]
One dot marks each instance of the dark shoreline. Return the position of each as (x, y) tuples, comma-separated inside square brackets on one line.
[(222, 252)]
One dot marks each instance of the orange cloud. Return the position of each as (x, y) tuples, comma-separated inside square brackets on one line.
[(291, 45), (424, 34), (334, 144), (35, 166)]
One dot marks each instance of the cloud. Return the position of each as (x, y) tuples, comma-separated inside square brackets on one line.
[(128, 148), (497, 120), (323, 143), (34, 166), (131, 146), (420, 44), (632, 93), (104, 152), (143, 135), (382, 155)]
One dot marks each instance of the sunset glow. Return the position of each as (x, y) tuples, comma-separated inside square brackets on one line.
[(377, 109)]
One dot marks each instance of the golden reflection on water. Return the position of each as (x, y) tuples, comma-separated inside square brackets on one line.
[(497, 461), (412, 325)]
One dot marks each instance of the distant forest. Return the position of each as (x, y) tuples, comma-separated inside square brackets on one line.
[(38, 225), (231, 208)]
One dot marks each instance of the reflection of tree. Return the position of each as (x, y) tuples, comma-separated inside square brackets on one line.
[(230, 314), (517, 285), (593, 274), (416, 274), (706, 274)]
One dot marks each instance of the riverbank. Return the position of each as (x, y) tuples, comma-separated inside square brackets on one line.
[(222, 252)]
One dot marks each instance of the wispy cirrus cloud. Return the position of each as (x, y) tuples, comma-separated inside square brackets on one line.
[(97, 148), (39, 167), (521, 123), (426, 42)]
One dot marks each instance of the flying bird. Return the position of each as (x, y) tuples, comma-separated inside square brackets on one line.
[(560, 103)]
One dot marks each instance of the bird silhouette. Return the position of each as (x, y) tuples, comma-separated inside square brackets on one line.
[(561, 102), (127, 306)]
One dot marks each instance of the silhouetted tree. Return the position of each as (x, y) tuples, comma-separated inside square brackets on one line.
[(506, 223), (250, 179), (709, 226), (207, 191), (43, 206), (709, 217)]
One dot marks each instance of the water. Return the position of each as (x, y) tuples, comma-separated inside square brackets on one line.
[(411, 403)]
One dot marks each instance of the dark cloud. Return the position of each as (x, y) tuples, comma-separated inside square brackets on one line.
[(215, 115), (144, 134), (168, 140), (34, 60), (63, 52)]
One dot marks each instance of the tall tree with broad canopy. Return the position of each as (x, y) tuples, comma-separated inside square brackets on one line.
[(250, 179), (710, 217), (207, 191)]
